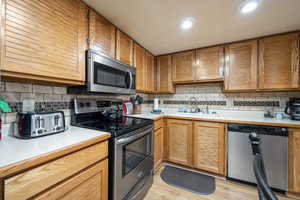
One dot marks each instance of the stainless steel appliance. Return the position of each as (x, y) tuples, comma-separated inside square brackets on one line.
[(274, 147), (33, 124), (130, 147), (106, 75), (293, 108)]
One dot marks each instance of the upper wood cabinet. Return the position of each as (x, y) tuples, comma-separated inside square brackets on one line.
[(179, 141), (102, 34), (44, 40), (241, 66), (140, 64), (210, 64), (164, 74), (149, 73), (209, 147), (183, 66), (279, 62), (124, 48)]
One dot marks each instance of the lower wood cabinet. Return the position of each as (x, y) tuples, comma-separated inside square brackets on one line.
[(91, 184), (180, 138), (158, 147), (209, 147), (294, 160), (200, 145), (74, 176)]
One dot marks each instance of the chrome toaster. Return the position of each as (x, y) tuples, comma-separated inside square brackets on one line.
[(33, 124)]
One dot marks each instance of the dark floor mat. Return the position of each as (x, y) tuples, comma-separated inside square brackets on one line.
[(188, 180)]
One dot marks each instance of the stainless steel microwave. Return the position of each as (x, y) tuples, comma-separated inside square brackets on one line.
[(107, 75)]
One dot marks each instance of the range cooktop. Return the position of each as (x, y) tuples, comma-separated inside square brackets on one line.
[(116, 127)]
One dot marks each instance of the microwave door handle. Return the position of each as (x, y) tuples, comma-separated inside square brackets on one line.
[(127, 140), (131, 80)]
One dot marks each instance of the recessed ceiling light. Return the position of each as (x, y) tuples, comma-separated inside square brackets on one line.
[(187, 23), (249, 6)]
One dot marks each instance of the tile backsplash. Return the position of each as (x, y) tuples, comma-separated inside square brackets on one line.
[(212, 95), (49, 98), (46, 98)]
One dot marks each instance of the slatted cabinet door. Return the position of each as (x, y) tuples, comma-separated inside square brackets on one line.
[(183, 66), (149, 73), (164, 74), (102, 34), (91, 184), (44, 40), (210, 64), (209, 147), (241, 66), (279, 62), (158, 147), (179, 140), (124, 48), (140, 64)]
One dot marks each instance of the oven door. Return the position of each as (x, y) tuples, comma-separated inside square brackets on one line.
[(107, 75), (133, 160)]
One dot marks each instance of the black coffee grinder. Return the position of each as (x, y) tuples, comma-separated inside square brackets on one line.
[(293, 108)]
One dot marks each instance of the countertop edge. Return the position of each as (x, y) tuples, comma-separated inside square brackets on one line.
[(194, 118), (18, 167)]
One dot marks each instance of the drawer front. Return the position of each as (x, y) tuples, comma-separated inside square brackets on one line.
[(158, 124), (34, 181), (91, 184)]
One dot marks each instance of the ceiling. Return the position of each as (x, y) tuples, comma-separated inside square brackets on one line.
[(155, 24)]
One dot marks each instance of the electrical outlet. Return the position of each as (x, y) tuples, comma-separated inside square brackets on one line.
[(28, 105)]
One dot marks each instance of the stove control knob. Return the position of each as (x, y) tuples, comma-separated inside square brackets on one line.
[(88, 104)]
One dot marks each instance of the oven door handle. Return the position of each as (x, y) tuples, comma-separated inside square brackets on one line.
[(133, 137)]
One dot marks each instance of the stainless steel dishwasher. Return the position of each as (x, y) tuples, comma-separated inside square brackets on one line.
[(274, 149)]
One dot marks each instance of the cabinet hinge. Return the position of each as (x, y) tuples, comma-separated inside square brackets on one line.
[(88, 42)]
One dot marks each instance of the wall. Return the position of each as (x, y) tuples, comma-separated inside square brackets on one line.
[(46, 97), (211, 95)]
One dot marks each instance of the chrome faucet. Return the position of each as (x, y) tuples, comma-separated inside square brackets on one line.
[(194, 106)]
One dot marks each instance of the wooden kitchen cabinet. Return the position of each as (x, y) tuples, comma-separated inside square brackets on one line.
[(140, 64), (294, 161), (209, 64), (158, 147), (179, 141), (149, 73), (102, 34), (42, 46), (209, 147), (279, 62), (241, 66), (91, 184), (124, 48), (55, 177), (164, 74), (183, 66)]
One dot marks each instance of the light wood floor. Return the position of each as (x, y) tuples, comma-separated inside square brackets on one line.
[(225, 190)]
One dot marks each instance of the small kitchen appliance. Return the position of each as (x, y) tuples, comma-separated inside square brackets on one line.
[(293, 108), (106, 75), (35, 124)]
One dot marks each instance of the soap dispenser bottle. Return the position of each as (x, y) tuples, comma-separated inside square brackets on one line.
[(4, 107)]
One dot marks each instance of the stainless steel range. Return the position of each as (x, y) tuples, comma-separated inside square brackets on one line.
[(130, 147)]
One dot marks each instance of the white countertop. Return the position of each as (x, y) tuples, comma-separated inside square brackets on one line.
[(13, 150), (239, 116)]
